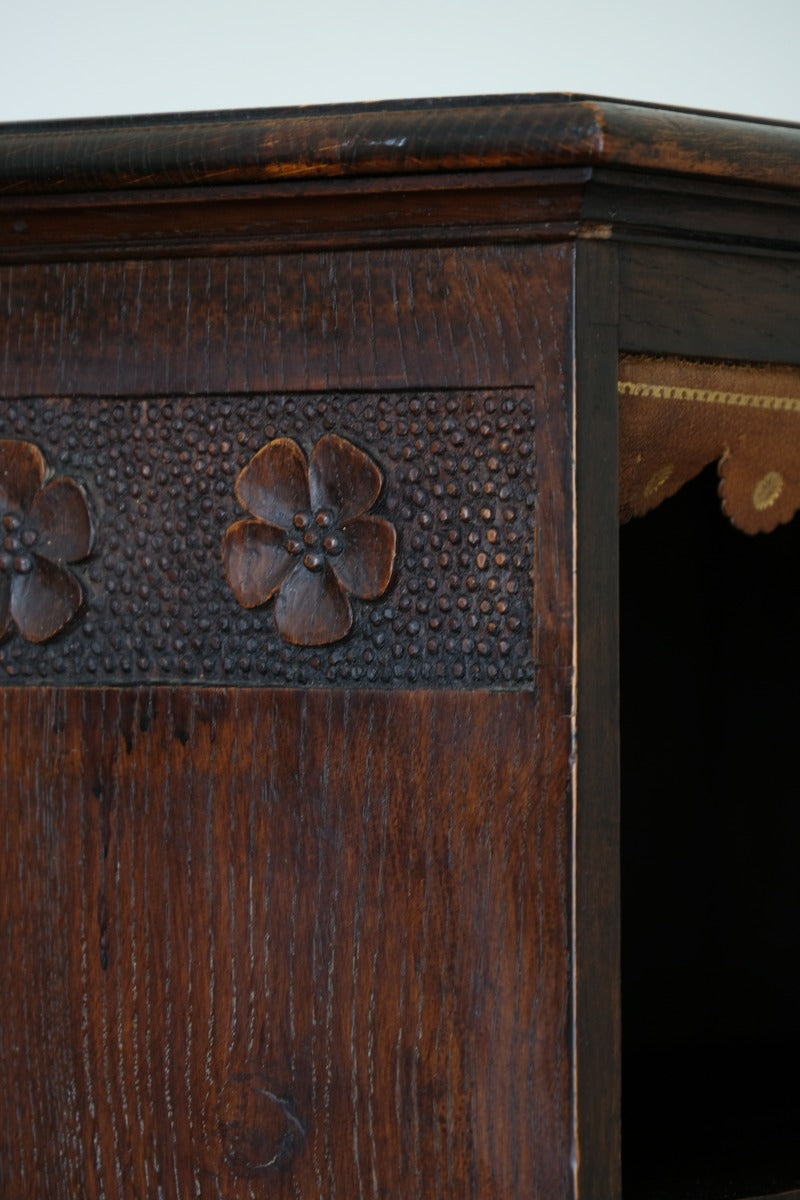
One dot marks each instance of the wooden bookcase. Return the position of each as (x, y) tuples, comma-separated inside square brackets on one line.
[(313, 883)]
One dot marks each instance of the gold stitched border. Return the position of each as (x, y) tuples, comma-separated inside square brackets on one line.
[(658, 391)]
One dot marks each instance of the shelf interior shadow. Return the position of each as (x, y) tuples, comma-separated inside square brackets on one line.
[(710, 693)]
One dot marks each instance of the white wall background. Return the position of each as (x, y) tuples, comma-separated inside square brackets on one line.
[(69, 58)]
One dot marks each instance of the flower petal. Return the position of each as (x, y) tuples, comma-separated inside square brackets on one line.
[(311, 609), (274, 484), (5, 603), (364, 567), (22, 470), (62, 515), (342, 478), (256, 561), (44, 600)]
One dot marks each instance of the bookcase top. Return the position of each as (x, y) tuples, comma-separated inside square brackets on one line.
[(399, 138)]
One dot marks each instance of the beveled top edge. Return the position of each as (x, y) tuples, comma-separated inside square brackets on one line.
[(414, 137)]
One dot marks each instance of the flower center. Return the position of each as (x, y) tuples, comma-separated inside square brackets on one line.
[(315, 536), (17, 540)]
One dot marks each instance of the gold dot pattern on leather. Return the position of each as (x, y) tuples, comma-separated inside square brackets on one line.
[(657, 480), (767, 490)]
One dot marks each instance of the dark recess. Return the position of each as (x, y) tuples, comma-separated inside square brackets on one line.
[(710, 633)]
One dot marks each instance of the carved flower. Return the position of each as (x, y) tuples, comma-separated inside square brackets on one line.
[(309, 541), (43, 527)]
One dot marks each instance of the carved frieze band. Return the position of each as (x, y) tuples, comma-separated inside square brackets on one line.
[(367, 540)]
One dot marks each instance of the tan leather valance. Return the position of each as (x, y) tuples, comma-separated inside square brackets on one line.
[(677, 416)]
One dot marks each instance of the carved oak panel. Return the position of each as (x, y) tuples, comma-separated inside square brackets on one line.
[(451, 604)]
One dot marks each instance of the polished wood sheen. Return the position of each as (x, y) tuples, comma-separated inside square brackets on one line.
[(382, 139), (209, 894), (461, 317), (309, 684)]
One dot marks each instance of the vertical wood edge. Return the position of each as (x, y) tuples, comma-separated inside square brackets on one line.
[(596, 886)]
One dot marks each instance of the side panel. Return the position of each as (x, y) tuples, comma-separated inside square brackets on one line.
[(294, 941), (284, 943)]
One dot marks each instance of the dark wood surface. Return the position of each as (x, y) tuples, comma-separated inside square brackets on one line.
[(451, 317), (160, 478), (494, 207), (709, 304), (319, 933), (402, 137), (157, 402), (241, 926), (597, 904), (244, 913)]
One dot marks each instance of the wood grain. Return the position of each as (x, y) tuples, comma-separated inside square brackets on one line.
[(316, 900), (458, 477), (402, 137), (351, 140), (719, 214), (392, 318), (450, 209), (316, 943), (702, 304)]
